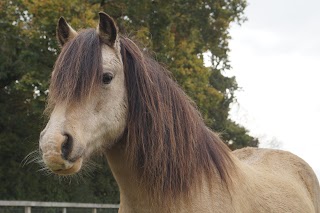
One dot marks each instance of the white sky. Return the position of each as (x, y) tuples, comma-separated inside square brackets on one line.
[(275, 57)]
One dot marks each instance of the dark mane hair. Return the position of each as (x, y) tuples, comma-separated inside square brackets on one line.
[(168, 141), (78, 69)]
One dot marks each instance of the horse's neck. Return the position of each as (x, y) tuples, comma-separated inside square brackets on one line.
[(134, 197)]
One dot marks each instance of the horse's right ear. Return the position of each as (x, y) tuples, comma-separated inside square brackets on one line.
[(107, 29), (64, 32)]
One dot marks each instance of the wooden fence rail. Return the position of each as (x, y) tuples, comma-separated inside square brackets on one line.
[(64, 206)]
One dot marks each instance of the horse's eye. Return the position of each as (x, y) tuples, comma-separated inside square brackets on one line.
[(107, 78)]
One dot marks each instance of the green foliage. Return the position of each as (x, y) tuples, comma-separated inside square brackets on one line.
[(178, 31)]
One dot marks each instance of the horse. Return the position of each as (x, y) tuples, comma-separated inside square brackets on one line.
[(108, 96)]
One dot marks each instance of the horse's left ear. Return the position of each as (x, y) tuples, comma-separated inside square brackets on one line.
[(107, 29), (64, 32)]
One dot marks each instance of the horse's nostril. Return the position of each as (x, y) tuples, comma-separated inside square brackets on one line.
[(66, 146)]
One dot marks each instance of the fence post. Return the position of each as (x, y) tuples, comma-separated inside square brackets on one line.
[(94, 210), (27, 209), (64, 210)]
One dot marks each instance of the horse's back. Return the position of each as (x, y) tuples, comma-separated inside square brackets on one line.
[(286, 167)]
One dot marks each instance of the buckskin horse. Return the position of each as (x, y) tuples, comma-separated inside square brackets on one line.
[(108, 96)]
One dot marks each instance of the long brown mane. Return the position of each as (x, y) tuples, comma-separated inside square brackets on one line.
[(168, 141)]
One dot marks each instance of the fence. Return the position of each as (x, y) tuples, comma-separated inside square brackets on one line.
[(61, 207)]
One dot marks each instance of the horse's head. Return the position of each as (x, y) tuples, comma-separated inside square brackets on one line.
[(87, 96)]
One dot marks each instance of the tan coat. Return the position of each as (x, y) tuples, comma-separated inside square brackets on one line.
[(268, 181)]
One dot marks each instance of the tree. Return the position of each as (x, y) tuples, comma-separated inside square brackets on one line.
[(177, 32)]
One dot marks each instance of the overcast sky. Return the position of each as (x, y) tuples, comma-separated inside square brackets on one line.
[(275, 57)]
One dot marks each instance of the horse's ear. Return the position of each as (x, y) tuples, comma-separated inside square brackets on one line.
[(107, 29), (64, 32)]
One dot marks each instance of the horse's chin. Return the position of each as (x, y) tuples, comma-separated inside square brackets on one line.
[(76, 167), (64, 167)]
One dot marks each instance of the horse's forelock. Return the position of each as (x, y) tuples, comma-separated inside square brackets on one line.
[(78, 69)]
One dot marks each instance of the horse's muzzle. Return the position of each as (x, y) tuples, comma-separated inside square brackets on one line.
[(61, 154)]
